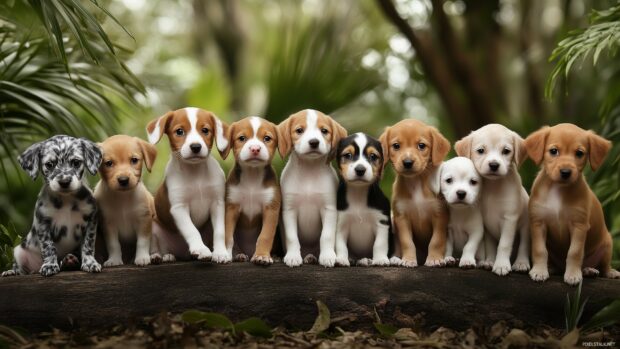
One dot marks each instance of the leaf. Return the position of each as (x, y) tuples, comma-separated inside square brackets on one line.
[(322, 320), (570, 339), (255, 327), (385, 330), (607, 316), (211, 320)]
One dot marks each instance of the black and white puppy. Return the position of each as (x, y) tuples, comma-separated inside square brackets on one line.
[(65, 217), (364, 229)]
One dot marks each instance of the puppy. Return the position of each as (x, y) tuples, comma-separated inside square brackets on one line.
[(252, 192), (126, 206), (65, 218), (497, 152), (194, 186), (566, 218), (420, 217), (309, 186), (364, 227), (459, 184)]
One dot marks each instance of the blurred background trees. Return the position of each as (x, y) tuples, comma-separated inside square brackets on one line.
[(454, 64)]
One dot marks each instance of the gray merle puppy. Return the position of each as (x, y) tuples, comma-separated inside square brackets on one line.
[(65, 217)]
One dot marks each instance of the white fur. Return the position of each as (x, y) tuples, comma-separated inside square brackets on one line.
[(250, 194), (246, 154)]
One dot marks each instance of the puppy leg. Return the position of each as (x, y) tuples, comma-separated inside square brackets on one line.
[(504, 248), (437, 245), (605, 264), (522, 263), (50, 265), (115, 256), (232, 215), (490, 250), (220, 252), (405, 238), (89, 263), (574, 257), (197, 248), (540, 255), (292, 258), (449, 259), (329, 217), (143, 242), (342, 251), (381, 246), (264, 244)]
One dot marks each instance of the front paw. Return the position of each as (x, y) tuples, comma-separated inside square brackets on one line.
[(342, 261), (201, 253), (113, 262), (395, 261), (293, 259), (486, 265), (408, 263), (49, 269), (155, 258), (612, 274), (9, 273), (381, 262), (327, 259), (467, 262), (241, 258), (90, 265), (434, 262), (168, 258), (501, 267), (539, 273), (573, 277), (364, 262), (142, 260), (521, 266), (70, 262), (449, 261), (589, 272), (262, 260), (221, 256)]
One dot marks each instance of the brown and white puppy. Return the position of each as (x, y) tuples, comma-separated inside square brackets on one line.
[(126, 206), (192, 193), (252, 192), (309, 185), (566, 218), (420, 217)]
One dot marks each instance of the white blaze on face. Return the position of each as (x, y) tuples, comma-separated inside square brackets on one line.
[(312, 131), (193, 136), (254, 142), (360, 141), (459, 174)]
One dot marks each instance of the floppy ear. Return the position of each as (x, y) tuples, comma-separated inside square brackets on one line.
[(338, 133), (30, 160), (441, 147), (385, 146), (92, 155), (519, 148), (284, 138), (535, 144), (149, 153), (599, 147), (156, 128), (435, 180), (463, 146), (221, 136), (229, 141)]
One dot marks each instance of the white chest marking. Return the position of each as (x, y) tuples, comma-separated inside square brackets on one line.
[(250, 194)]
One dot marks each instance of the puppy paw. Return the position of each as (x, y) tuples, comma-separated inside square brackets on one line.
[(310, 259), (70, 262), (201, 254), (539, 273), (293, 259), (113, 262), (342, 262), (434, 262), (364, 262), (262, 260), (327, 259), (90, 265), (486, 265), (241, 257), (156, 258), (49, 269), (276, 259), (589, 272), (408, 263), (573, 277), (381, 262), (142, 261), (9, 273), (449, 261), (221, 257), (467, 263), (395, 261), (501, 268), (521, 266), (168, 258), (612, 274)]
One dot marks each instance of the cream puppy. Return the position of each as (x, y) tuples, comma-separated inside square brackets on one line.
[(459, 183), (497, 153), (126, 206), (309, 186)]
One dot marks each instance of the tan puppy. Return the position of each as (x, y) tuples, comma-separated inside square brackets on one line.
[(126, 206), (566, 218), (420, 217), (252, 192)]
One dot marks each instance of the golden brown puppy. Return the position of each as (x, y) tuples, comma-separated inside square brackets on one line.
[(566, 218), (126, 206), (252, 192), (420, 217)]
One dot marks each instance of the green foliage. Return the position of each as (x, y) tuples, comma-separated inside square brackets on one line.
[(607, 316), (252, 326), (573, 309), (9, 238), (385, 330), (323, 319)]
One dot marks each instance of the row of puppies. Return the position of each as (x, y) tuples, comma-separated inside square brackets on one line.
[(194, 182)]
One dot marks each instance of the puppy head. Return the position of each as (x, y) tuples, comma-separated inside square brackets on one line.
[(61, 161), (360, 159), (191, 132), (494, 149), (123, 157), (253, 141), (311, 134), (413, 147), (564, 150), (459, 182)]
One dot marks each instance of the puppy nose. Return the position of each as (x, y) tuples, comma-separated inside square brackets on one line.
[(123, 181), (64, 182), (461, 194), (255, 149), (407, 163), (314, 143), (195, 147), (494, 165), (360, 170), (565, 173)]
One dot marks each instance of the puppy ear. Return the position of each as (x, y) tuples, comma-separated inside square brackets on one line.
[(156, 128), (221, 138), (228, 135), (338, 133), (463, 146), (284, 138), (535, 144), (435, 180), (440, 148), (149, 153), (92, 155), (30, 159), (385, 146), (599, 147), (519, 148)]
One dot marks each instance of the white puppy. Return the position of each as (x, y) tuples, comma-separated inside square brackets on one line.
[(459, 183), (497, 153)]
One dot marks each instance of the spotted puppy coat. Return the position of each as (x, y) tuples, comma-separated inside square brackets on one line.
[(65, 218), (364, 228)]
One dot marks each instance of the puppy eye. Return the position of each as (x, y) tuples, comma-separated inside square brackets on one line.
[(480, 151), (134, 160), (242, 138), (49, 165), (506, 151), (205, 130), (266, 139), (553, 151), (324, 131), (373, 157), (396, 146), (76, 163), (348, 156), (473, 182), (449, 180), (579, 153), (299, 130), (108, 163), (421, 146), (179, 132)]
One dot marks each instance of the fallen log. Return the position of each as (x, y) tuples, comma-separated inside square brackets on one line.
[(280, 295)]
